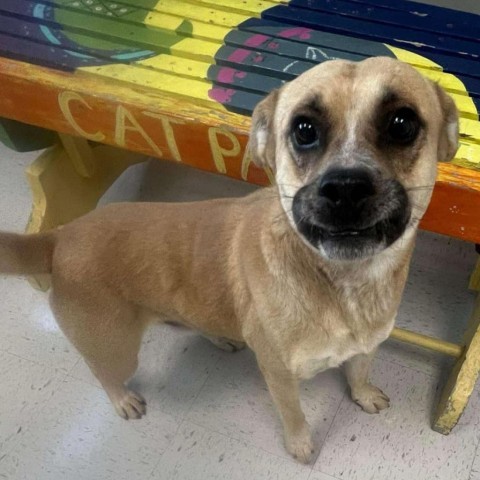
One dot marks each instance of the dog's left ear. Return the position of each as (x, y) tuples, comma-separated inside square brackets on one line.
[(262, 137), (448, 142)]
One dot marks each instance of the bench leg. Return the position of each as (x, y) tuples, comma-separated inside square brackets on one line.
[(67, 181), (475, 278), (461, 381)]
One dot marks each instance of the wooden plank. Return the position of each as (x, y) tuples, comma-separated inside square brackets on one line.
[(304, 51), (250, 60), (317, 38), (235, 38), (145, 16), (46, 55), (112, 50), (408, 16), (142, 121), (313, 37), (468, 155), (244, 7), (179, 8), (101, 27), (470, 130), (288, 48), (421, 42), (175, 25), (457, 18), (454, 205)]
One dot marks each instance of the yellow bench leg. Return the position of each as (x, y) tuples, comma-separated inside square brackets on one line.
[(67, 181), (462, 379)]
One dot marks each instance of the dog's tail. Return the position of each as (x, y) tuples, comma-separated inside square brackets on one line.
[(26, 254)]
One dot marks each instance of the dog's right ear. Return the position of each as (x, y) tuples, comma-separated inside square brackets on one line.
[(262, 137)]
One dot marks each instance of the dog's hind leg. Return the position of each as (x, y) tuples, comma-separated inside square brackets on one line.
[(107, 331)]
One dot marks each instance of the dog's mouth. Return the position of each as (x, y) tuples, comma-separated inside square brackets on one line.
[(354, 231)]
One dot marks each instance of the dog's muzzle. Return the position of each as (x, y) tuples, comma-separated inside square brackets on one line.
[(349, 214)]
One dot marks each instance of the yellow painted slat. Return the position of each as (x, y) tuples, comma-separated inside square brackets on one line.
[(196, 12), (414, 59), (470, 130), (153, 79), (189, 47), (200, 30), (445, 80), (249, 7), (174, 65), (195, 49), (465, 106), (468, 155), (152, 18)]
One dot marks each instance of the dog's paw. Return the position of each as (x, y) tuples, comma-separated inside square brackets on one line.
[(300, 445), (370, 398), (130, 405), (226, 344)]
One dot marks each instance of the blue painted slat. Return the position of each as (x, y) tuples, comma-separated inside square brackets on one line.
[(23, 28), (287, 48), (254, 61), (44, 55), (423, 41), (242, 80), (315, 38), (311, 37), (435, 12), (425, 44), (407, 18)]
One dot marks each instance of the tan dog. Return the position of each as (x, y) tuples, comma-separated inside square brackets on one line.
[(308, 274)]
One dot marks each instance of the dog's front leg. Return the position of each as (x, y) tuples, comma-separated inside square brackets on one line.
[(369, 397), (283, 387)]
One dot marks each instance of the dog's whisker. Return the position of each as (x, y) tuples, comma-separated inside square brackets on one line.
[(419, 187)]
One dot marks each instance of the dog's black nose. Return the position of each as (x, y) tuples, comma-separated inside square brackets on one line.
[(348, 186)]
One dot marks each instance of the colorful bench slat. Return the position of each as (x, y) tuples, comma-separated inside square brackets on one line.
[(416, 16)]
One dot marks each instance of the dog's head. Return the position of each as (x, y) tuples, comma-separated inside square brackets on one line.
[(354, 148)]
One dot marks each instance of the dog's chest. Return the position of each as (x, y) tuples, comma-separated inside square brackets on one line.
[(312, 358), (363, 322)]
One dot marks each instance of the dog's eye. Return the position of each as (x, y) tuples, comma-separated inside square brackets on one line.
[(404, 126), (305, 134)]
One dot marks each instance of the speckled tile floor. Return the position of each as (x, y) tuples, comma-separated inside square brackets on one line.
[(210, 415)]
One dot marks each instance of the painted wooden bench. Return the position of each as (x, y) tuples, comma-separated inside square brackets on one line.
[(179, 79)]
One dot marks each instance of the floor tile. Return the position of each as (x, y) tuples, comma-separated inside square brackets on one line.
[(316, 475), (399, 444), (199, 454), (26, 388), (29, 329), (78, 436)]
